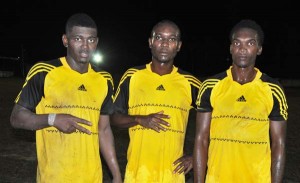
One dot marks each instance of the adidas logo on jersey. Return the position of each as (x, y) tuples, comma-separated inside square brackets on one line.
[(82, 88), (241, 99), (160, 87)]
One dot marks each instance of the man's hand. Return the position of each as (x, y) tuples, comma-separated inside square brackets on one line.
[(154, 121), (183, 164), (68, 124)]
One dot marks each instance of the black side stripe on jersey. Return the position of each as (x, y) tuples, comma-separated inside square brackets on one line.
[(108, 76), (105, 74), (209, 83), (193, 80), (39, 67), (127, 74), (279, 94)]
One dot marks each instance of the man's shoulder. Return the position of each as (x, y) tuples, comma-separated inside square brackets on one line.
[(185, 73), (266, 78), (44, 66), (137, 68), (54, 62), (219, 76), (102, 72), (133, 70), (212, 80)]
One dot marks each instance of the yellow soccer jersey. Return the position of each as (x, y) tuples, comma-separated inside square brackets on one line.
[(142, 92), (239, 149), (53, 87)]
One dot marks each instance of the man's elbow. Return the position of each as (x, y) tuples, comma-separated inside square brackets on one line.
[(17, 117), (114, 120), (119, 120), (14, 122)]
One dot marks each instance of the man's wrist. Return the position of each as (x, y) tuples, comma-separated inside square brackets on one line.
[(136, 119), (51, 119)]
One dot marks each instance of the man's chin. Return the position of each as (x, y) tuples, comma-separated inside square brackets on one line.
[(163, 61), (84, 61)]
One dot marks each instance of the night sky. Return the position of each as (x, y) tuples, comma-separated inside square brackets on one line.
[(33, 29)]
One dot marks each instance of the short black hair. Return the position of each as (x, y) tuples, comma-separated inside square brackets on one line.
[(166, 21), (81, 20), (251, 24)]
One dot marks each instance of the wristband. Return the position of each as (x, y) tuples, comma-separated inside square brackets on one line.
[(51, 119)]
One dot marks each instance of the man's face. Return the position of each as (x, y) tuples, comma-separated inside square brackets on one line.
[(82, 42), (164, 43), (245, 47)]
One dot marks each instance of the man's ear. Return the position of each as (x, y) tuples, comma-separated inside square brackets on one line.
[(179, 46), (150, 43), (259, 51), (65, 40)]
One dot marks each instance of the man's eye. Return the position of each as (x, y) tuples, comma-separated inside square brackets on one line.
[(91, 40), (77, 39), (173, 39)]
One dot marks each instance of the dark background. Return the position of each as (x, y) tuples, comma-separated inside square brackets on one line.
[(32, 30)]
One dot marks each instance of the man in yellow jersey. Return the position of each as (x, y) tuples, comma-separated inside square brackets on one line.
[(241, 118), (68, 102), (153, 101)]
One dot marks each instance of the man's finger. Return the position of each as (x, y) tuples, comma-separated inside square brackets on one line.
[(82, 129), (165, 116), (83, 121), (163, 122), (157, 129), (179, 169)]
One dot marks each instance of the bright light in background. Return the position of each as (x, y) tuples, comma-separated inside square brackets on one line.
[(97, 57)]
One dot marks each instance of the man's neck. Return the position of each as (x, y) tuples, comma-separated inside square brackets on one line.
[(243, 75), (161, 68)]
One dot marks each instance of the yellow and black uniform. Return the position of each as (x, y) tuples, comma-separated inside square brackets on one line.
[(239, 149), (53, 87), (142, 92)]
